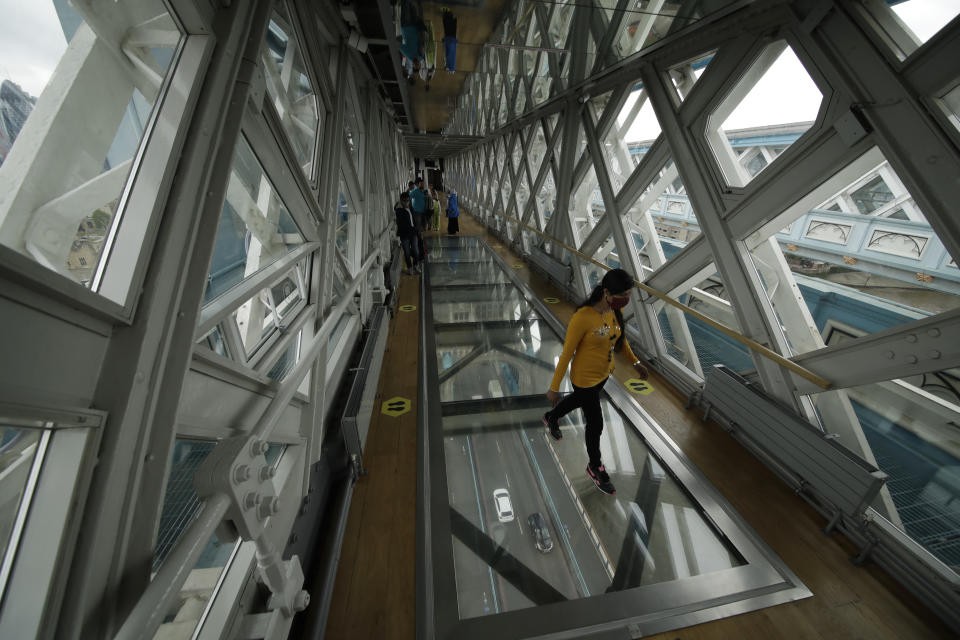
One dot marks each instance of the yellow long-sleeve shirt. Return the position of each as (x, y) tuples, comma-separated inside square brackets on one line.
[(591, 337)]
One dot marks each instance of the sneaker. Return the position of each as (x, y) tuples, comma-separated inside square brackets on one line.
[(553, 426), (601, 479)]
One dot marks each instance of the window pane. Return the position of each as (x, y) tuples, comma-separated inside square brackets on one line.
[(259, 317), (339, 282), (180, 502), (926, 17), (287, 361), (910, 23), (255, 227), (343, 220), (286, 295), (18, 448), (631, 135), (643, 27), (353, 129), (663, 213), (951, 104), (290, 88), (215, 342), (685, 75), (872, 195), (855, 274), (61, 190), (770, 108), (910, 435), (694, 343)]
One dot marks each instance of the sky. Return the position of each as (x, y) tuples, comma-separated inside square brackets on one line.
[(786, 93), (31, 43)]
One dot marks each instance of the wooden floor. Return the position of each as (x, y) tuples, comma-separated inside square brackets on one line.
[(374, 592)]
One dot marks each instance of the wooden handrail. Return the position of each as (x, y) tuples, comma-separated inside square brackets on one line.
[(751, 344)]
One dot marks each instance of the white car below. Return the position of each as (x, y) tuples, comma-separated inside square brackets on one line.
[(504, 507)]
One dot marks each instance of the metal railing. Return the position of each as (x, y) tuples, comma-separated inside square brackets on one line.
[(155, 602), (751, 344)]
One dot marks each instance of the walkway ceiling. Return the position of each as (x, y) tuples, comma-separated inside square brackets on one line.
[(420, 112), (429, 146)]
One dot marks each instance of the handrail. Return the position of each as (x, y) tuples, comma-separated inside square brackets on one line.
[(147, 615), (753, 345)]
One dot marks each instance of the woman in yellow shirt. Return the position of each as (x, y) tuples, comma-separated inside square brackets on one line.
[(594, 333)]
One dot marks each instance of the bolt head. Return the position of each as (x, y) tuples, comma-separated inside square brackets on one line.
[(241, 473), (251, 500), (268, 507), (258, 447), (911, 337)]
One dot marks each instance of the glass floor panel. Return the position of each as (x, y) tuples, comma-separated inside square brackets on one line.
[(459, 241), (492, 362), (483, 304), (465, 273), (453, 252), (589, 543), (516, 525)]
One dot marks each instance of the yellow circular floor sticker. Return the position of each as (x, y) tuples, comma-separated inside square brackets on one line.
[(518, 265), (395, 406), (408, 307), (639, 387), (551, 300)]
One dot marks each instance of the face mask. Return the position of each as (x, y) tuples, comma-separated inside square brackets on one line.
[(619, 302)]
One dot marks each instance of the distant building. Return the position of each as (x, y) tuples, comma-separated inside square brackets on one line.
[(15, 108)]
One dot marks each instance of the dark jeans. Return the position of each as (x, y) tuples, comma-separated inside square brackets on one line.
[(588, 400), (411, 249), (420, 219), (453, 225)]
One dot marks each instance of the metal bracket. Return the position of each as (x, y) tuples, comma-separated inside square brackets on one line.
[(238, 469), (834, 521), (864, 556)]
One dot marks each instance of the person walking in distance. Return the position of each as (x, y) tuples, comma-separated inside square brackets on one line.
[(436, 211), (595, 332), (453, 213), (419, 199), (407, 232)]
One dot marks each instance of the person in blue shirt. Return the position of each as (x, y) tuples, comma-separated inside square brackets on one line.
[(419, 198), (411, 29), (453, 214)]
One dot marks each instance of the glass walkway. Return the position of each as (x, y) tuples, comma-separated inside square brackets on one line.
[(510, 521)]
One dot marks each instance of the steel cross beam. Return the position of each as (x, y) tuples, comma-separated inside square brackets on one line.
[(757, 319)]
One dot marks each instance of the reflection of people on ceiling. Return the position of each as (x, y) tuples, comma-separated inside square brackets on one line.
[(411, 29), (449, 40), (430, 54)]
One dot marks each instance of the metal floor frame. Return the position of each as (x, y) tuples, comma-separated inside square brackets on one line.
[(640, 611)]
